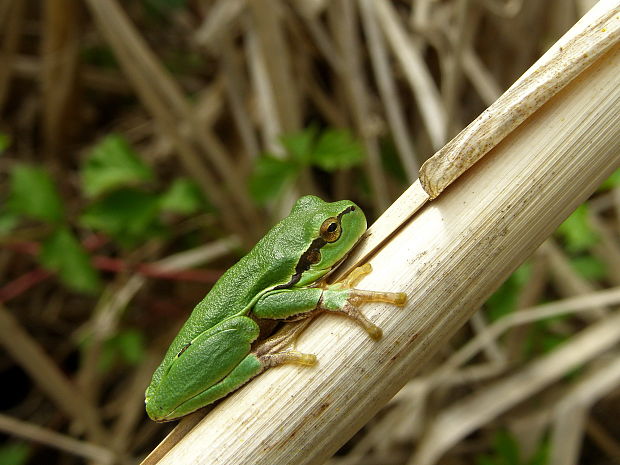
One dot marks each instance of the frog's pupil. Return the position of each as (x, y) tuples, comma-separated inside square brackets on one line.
[(332, 227)]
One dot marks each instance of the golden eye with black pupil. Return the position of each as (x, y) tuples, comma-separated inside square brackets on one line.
[(330, 230)]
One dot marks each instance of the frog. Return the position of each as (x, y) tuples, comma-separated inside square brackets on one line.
[(284, 277)]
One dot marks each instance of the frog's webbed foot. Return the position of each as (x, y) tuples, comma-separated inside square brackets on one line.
[(332, 299)]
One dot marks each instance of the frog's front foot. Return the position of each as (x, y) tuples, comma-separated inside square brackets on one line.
[(341, 297)]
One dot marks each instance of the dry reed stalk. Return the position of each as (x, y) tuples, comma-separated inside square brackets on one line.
[(164, 98), (476, 410), (387, 89), (571, 414), (267, 19), (343, 19), (37, 363), (416, 72), (566, 280), (60, 53), (11, 18), (29, 431), (449, 258)]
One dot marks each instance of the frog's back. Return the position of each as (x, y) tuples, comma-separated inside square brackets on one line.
[(270, 263), (264, 267)]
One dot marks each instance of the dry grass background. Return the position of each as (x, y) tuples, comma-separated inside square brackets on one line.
[(203, 89)]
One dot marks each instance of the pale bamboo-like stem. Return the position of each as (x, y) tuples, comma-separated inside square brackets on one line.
[(448, 259)]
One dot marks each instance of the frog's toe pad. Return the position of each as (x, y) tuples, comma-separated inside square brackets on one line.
[(399, 298)]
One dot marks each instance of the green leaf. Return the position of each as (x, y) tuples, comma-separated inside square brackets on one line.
[(336, 149), (589, 267), (8, 221), (63, 254), (5, 141), (505, 451), (541, 456), (163, 9), (34, 194), (506, 447), (127, 346), (112, 163), (182, 197), (611, 182), (505, 299), (542, 338), (576, 231), (129, 215), (550, 341), (269, 178), (300, 145), (14, 453)]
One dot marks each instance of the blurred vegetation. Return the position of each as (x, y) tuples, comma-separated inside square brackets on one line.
[(135, 133)]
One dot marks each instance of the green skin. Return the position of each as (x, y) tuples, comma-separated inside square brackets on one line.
[(211, 356)]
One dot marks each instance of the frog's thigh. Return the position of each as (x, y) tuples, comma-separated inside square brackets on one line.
[(202, 364), (287, 302), (249, 367)]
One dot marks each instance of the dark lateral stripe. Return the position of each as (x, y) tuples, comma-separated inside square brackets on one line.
[(185, 347), (303, 264)]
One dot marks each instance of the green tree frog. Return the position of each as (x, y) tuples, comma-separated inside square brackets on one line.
[(281, 278)]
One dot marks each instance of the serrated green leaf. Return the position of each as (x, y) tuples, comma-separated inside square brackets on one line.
[(34, 194), (112, 164), (269, 178), (336, 149), (300, 145), (129, 215), (14, 453), (63, 254), (182, 197)]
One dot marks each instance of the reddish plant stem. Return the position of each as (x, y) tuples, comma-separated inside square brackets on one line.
[(20, 285), (28, 280)]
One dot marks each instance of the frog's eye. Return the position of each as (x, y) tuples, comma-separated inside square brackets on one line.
[(330, 230)]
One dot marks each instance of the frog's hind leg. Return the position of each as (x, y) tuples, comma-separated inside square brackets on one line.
[(273, 351)]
